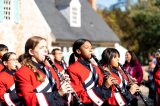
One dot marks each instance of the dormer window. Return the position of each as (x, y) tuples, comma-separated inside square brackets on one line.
[(9, 11)]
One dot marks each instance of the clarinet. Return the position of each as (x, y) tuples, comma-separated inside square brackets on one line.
[(62, 78), (107, 74), (139, 93)]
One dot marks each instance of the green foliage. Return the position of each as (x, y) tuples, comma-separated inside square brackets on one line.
[(138, 28)]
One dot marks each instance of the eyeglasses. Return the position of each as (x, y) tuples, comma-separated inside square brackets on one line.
[(12, 59)]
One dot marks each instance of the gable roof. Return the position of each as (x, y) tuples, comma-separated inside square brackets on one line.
[(92, 27)]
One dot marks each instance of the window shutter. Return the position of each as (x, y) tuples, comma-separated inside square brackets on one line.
[(1, 10)]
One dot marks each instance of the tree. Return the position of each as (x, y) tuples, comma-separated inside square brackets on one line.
[(138, 28)]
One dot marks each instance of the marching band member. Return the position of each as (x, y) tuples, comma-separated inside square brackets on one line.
[(86, 78), (156, 74), (38, 84), (8, 96), (3, 50), (58, 59), (110, 59)]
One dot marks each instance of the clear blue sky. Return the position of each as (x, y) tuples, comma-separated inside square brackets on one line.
[(108, 3)]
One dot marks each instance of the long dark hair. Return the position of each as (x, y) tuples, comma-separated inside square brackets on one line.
[(134, 59), (3, 47), (76, 45), (5, 57), (108, 55)]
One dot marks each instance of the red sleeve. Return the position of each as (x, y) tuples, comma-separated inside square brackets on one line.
[(26, 82), (78, 87), (1, 67), (2, 91), (77, 83), (55, 76), (24, 87), (157, 80)]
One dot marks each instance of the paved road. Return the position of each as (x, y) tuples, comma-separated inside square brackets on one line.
[(144, 91)]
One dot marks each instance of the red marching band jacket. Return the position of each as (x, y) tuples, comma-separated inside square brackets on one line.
[(116, 98), (157, 80), (1, 66), (36, 93), (88, 83), (60, 68), (157, 84), (8, 96)]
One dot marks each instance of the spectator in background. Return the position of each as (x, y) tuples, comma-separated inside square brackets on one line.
[(149, 82), (152, 58), (156, 77), (133, 66), (3, 50)]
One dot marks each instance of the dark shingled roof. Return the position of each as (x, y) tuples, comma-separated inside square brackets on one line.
[(93, 27)]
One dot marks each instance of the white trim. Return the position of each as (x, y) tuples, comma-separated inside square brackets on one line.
[(89, 78), (49, 90), (43, 85), (69, 99), (8, 100), (120, 76), (90, 86), (41, 99), (62, 72), (95, 98), (119, 99), (47, 75), (12, 87)]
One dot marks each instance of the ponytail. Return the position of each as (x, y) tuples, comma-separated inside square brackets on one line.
[(27, 62), (72, 58)]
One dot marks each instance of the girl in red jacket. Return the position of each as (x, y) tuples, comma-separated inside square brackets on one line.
[(8, 96), (86, 78), (110, 59), (36, 83)]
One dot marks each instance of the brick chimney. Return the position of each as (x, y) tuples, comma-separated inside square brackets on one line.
[(93, 4)]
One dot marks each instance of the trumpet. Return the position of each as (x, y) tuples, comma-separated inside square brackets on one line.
[(139, 93), (62, 78)]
